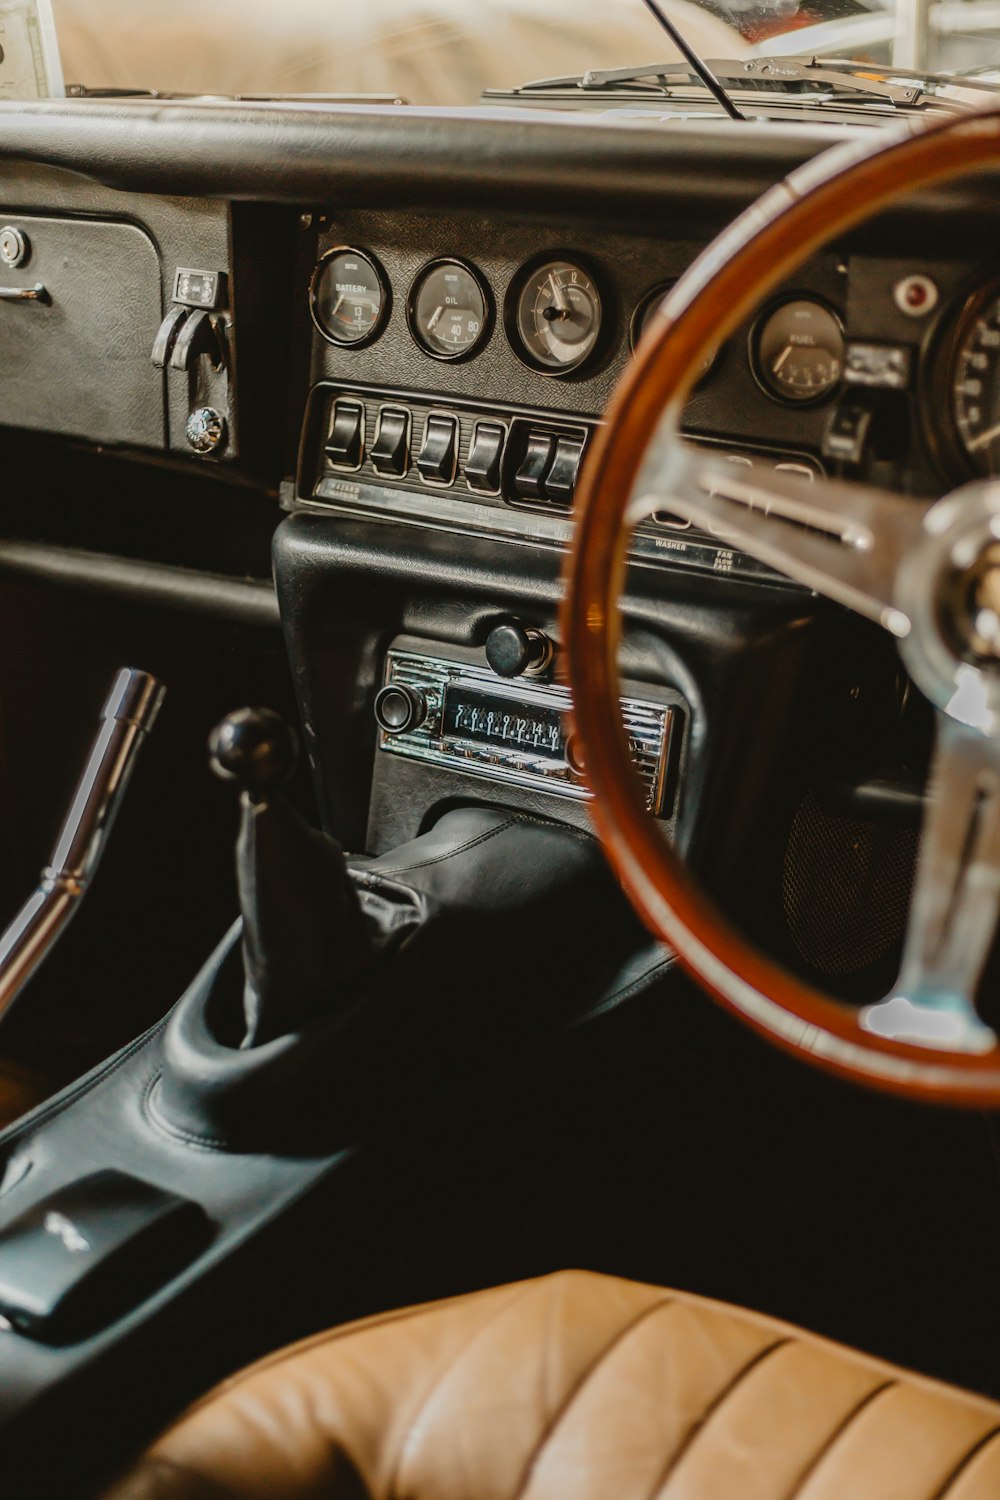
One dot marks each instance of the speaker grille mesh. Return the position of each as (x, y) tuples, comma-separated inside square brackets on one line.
[(846, 887)]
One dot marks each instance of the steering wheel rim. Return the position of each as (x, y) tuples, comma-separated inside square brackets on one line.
[(750, 259)]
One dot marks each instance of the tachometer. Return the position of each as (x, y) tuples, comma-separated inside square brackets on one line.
[(975, 383), (349, 297), (797, 351)]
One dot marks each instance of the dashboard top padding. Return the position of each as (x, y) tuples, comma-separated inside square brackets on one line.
[(408, 156)]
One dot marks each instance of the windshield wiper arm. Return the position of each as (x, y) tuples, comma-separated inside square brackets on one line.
[(701, 68)]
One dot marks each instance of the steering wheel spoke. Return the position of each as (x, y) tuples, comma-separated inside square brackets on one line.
[(842, 539), (955, 903)]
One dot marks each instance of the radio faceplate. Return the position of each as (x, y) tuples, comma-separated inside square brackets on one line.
[(515, 732)]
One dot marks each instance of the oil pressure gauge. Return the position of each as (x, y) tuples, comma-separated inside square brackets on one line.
[(557, 316), (449, 309)]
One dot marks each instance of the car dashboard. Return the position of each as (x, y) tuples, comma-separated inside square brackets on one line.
[(296, 400)]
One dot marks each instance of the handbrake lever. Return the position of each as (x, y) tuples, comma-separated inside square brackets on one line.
[(126, 719)]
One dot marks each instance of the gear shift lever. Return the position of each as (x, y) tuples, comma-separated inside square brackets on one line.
[(304, 935)]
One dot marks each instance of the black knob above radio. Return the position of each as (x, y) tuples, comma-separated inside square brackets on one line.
[(513, 651), (399, 708)]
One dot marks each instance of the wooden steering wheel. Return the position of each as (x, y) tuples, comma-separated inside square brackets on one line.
[(924, 572)]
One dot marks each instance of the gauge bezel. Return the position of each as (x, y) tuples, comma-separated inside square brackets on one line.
[(657, 293), (944, 440), (513, 298), (790, 403), (489, 316), (380, 276)]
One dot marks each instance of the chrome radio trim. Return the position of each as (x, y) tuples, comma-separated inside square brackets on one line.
[(650, 726)]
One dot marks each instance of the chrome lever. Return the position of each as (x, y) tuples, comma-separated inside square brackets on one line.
[(36, 293), (126, 719)]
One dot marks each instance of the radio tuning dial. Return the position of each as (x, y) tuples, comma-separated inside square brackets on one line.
[(513, 651), (399, 708)]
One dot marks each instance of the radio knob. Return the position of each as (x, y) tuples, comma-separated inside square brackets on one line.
[(399, 708), (513, 651)]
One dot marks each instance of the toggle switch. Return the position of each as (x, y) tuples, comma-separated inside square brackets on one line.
[(166, 337), (198, 336)]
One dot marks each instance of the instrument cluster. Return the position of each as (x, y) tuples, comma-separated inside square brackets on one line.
[(553, 317), (800, 351)]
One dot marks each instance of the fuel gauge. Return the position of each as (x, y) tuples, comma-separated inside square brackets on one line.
[(798, 351)]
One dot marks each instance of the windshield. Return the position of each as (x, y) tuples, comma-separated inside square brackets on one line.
[(448, 51)]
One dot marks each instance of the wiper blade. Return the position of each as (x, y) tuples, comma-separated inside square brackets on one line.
[(782, 75)]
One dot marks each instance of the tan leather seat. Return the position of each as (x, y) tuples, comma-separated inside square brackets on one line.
[(575, 1387)]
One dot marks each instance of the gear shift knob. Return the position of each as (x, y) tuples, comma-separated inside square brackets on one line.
[(255, 748), (304, 934)]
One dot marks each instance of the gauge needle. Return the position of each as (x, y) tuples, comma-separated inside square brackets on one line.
[(337, 306), (985, 438), (559, 297), (781, 359), (435, 319)]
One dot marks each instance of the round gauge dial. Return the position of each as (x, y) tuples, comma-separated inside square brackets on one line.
[(557, 318), (799, 351), (449, 310), (349, 296), (643, 316), (975, 383)]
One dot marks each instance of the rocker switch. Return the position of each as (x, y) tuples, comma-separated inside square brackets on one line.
[(390, 454), (530, 477), (346, 438), (560, 481), (438, 456), (482, 467)]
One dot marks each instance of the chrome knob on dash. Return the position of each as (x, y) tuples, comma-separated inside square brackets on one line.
[(36, 293)]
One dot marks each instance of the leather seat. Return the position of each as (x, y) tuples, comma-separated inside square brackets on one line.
[(575, 1387)]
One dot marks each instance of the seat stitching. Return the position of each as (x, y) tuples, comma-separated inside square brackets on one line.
[(963, 1463), (563, 1409), (439, 1376), (712, 1410), (838, 1432)]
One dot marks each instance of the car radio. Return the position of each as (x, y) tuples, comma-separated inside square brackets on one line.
[(460, 714)]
